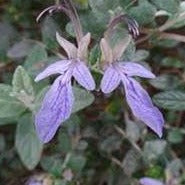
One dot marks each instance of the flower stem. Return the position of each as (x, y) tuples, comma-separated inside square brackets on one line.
[(74, 19)]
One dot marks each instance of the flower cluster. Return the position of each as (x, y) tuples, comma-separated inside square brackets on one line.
[(121, 73), (58, 101)]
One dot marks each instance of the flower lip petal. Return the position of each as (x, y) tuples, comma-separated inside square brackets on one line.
[(141, 105), (111, 80), (56, 68), (56, 108), (150, 181), (135, 69), (83, 76)]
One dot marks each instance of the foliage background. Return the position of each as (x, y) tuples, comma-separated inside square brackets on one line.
[(103, 143)]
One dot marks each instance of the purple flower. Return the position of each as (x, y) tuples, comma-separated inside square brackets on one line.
[(150, 181), (121, 73), (58, 101)]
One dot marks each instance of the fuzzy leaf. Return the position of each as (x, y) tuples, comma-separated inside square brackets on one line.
[(27, 143), (172, 100)]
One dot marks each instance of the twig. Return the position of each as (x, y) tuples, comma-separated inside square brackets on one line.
[(162, 35), (121, 131)]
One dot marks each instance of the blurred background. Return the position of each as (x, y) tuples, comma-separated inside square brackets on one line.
[(102, 143)]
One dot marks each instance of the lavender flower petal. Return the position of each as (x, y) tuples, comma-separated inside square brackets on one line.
[(141, 105), (83, 76), (107, 54), (57, 68), (82, 50), (135, 69), (111, 80), (69, 47), (150, 181), (56, 108)]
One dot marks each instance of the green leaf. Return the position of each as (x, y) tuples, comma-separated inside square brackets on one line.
[(76, 162), (36, 60), (69, 29), (27, 143), (52, 164), (170, 6), (20, 49), (49, 29), (39, 98), (172, 62), (175, 136), (92, 24), (72, 124), (153, 149), (130, 52), (172, 100), (111, 144), (130, 162), (166, 82), (82, 99), (22, 81), (175, 167), (180, 21), (144, 13), (8, 121), (166, 43), (94, 54), (101, 8), (133, 130), (60, 182), (64, 142), (82, 145), (155, 172), (9, 106), (140, 55), (8, 36)]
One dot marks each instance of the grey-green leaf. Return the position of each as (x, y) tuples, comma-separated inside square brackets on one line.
[(133, 130), (8, 36), (172, 100), (130, 162), (175, 136), (166, 82), (148, 12), (27, 143), (170, 6), (9, 105), (153, 149), (49, 29), (52, 164), (36, 60), (20, 49), (76, 162), (82, 99), (22, 81)]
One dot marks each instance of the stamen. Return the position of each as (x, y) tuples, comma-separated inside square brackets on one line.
[(68, 8), (133, 26), (50, 9)]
